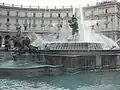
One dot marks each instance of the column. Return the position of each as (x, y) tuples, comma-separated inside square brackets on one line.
[(116, 23), (118, 61), (98, 61), (3, 41), (116, 37)]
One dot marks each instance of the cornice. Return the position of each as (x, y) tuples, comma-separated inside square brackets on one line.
[(35, 9), (102, 5)]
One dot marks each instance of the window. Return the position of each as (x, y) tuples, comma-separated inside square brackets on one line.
[(8, 13), (106, 10), (34, 14), (33, 21), (98, 17), (111, 19), (106, 26), (25, 28), (106, 17), (84, 13), (25, 21), (88, 17), (8, 19), (50, 14), (50, 21), (42, 21), (17, 13), (92, 27), (29, 23), (58, 21), (92, 18), (92, 13), (58, 14), (16, 20), (42, 15), (67, 14), (25, 14)]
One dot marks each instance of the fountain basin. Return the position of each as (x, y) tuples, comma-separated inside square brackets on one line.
[(30, 71)]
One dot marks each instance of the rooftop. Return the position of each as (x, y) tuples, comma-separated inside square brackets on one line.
[(104, 3), (34, 7)]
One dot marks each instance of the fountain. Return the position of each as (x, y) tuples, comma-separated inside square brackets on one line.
[(79, 48), (21, 58)]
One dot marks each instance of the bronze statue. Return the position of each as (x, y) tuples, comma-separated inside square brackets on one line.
[(21, 42), (18, 28), (74, 25)]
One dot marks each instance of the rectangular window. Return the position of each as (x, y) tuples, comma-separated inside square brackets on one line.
[(34, 15), (67, 15), (17, 13), (25, 14), (29, 23), (50, 14), (84, 13), (106, 17), (25, 21), (33, 21), (16, 20), (42, 21), (42, 15), (92, 13), (8, 19), (50, 21), (58, 21), (92, 27), (106, 26), (8, 13), (106, 10), (58, 14)]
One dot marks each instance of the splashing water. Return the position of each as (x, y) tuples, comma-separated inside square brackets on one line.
[(86, 35)]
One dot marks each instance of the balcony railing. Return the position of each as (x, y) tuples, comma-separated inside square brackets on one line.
[(29, 30), (36, 7)]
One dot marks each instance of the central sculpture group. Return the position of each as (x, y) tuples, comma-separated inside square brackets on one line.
[(74, 25), (22, 42)]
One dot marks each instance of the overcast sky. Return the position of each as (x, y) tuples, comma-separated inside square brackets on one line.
[(51, 2)]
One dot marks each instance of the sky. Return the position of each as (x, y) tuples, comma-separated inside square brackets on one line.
[(51, 2)]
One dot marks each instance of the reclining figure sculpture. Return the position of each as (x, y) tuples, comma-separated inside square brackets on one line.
[(21, 42)]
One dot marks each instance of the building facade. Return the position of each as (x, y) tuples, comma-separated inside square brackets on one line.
[(31, 19), (106, 18)]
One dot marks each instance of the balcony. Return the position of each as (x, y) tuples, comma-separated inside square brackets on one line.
[(25, 24), (34, 25), (42, 25), (7, 24)]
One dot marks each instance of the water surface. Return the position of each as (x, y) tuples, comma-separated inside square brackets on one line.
[(82, 81)]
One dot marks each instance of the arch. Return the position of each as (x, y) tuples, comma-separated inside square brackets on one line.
[(7, 37), (7, 42)]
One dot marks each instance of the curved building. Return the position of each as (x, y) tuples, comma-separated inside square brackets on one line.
[(31, 19)]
